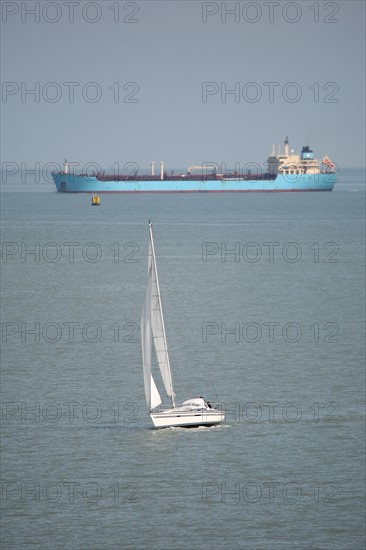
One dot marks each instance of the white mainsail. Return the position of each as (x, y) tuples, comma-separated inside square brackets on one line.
[(152, 395), (153, 329)]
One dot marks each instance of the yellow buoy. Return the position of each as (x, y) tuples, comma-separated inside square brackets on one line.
[(95, 200)]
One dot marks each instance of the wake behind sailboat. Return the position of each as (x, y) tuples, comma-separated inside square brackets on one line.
[(193, 412)]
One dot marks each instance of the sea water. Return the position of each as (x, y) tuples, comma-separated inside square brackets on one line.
[(264, 305)]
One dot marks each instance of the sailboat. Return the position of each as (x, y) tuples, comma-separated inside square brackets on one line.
[(193, 412)]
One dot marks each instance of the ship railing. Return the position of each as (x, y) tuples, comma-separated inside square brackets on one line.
[(212, 406), (247, 177)]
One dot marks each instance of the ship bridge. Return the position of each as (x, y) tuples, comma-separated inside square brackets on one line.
[(286, 163)]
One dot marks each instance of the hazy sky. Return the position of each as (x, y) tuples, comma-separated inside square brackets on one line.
[(150, 80)]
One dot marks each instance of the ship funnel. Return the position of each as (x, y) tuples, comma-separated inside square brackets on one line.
[(152, 168), (66, 167), (161, 170)]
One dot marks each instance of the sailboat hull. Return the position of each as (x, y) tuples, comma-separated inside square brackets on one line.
[(187, 419)]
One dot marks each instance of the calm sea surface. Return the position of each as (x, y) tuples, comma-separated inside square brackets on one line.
[(265, 310)]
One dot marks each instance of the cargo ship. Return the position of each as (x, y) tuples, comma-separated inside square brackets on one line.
[(285, 171)]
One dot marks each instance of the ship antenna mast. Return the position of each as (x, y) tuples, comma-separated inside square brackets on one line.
[(286, 146)]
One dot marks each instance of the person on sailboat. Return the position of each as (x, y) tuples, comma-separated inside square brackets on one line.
[(207, 402)]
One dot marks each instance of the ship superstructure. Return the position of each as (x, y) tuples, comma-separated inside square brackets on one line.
[(289, 163)]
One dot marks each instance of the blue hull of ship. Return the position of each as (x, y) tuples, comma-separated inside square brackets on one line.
[(71, 183)]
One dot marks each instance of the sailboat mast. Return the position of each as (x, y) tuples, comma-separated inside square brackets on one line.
[(161, 309)]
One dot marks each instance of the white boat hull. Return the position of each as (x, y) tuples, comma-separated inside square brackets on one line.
[(187, 419)]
